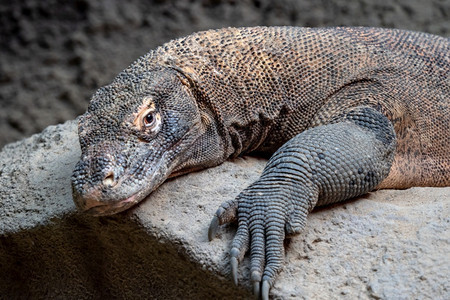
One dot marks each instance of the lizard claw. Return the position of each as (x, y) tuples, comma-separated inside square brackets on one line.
[(256, 289), (213, 226), (226, 213), (234, 269), (256, 279), (234, 264), (238, 249), (265, 290)]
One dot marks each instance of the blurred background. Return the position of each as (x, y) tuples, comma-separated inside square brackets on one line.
[(54, 54)]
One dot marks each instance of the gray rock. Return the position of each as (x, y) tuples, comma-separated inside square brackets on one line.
[(386, 245)]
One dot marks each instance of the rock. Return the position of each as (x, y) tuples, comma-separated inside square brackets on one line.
[(388, 244)]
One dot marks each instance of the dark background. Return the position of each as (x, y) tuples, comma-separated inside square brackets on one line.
[(55, 54)]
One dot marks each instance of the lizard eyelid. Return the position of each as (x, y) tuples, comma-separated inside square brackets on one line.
[(151, 120), (148, 119)]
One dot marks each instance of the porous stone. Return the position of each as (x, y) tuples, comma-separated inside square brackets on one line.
[(389, 244)]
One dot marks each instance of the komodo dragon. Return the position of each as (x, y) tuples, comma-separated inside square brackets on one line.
[(343, 110)]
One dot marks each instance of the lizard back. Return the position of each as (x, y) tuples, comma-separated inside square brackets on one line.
[(265, 85)]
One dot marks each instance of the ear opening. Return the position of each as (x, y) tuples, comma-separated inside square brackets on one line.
[(186, 75)]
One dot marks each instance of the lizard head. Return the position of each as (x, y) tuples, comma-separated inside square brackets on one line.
[(137, 131)]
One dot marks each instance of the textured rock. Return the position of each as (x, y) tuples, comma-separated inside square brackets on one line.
[(386, 245)]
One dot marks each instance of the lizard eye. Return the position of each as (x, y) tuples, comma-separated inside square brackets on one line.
[(149, 119)]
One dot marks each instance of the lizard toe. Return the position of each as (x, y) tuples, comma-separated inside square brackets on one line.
[(257, 254), (275, 235), (239, 247)]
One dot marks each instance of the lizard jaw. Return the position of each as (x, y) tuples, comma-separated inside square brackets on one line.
[(96, 208)]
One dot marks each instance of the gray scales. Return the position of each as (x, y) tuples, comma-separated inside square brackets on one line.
[(343, 111)]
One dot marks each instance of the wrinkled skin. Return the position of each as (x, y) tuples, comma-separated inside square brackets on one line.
[(123, 160)]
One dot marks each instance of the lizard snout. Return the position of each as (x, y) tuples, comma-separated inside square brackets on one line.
[(94, 184)]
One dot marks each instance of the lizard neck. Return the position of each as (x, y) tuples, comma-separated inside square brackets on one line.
[(234, 135)]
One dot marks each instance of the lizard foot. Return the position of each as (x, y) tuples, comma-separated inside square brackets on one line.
[(263, 217), (334, 162)]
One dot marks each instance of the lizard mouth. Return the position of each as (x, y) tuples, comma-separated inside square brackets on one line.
[(97, 209)]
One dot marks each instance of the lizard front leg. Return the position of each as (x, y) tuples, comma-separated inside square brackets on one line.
[(322, 165)]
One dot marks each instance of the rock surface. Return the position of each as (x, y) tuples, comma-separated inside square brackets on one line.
[(386, 245), (56, 53)]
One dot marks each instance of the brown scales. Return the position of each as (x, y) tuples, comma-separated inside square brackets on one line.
[(268, 84)]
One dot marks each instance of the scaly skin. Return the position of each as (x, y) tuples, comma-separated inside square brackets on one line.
[(343, 110)]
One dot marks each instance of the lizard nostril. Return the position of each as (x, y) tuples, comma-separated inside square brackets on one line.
[(109, 179)]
